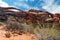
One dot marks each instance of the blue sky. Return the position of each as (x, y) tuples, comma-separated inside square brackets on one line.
[(52, 6)]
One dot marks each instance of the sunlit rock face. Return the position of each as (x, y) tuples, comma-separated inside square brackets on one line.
[(55, 18), (33, 16), (38, 15)]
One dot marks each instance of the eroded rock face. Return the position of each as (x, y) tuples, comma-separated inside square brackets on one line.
[(54, 19), (38, 15), (33, 16)]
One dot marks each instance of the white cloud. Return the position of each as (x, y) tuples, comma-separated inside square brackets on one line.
[(3, 4), (51, 6)]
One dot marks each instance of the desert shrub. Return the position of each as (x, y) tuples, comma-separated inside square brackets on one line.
[(14, 26), (56, 26), (43, 25), (17, 27), (28, 28), (47, 34)]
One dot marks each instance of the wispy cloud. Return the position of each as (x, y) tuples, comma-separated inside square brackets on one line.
[(26, 0), (51, 6), (25, 5), (18, 3)]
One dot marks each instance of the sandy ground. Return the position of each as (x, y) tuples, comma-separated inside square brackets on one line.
[(16, 37)]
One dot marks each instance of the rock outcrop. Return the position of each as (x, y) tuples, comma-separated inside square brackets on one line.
[(33, 16)]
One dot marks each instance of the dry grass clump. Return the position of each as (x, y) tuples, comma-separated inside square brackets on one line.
[(47, 34)]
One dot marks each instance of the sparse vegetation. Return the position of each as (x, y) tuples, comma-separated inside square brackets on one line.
[(44, 31)]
